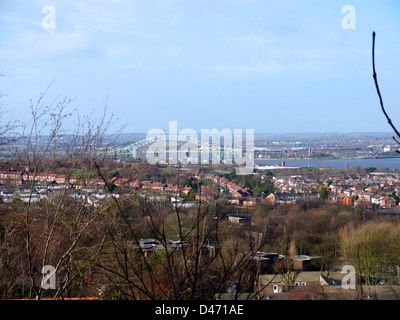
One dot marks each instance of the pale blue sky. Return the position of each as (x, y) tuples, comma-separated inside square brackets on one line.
[(272, 66)]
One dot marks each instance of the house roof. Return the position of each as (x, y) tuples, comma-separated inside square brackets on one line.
[(304, 276), (330, 281), (301, 257)]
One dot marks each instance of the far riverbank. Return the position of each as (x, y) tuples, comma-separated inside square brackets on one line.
[(391, 163)]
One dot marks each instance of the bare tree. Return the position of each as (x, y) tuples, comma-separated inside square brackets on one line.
[(188, 258), (59, 228), (98, 248), (379, 92), (8, 127)]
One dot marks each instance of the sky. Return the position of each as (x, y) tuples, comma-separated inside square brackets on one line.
[(282, 66)]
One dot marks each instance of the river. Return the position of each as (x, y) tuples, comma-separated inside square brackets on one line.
[(391, 163)]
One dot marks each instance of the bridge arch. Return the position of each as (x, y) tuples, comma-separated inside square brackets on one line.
[(216, 151)]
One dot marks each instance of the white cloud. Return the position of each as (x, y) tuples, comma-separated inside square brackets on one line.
[(41, 43), (104, 17), (264, 68)]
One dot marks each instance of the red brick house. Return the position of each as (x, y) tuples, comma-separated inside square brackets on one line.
[(186, 190), (158, 186), (341, 198), (251, 203), (388, 202), (235, 201)]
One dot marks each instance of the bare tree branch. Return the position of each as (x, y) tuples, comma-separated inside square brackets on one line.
[(379, 92)]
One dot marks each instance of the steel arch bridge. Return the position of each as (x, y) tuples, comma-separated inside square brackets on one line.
[(203, 147)]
